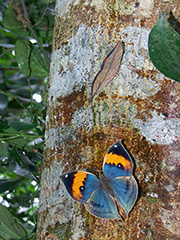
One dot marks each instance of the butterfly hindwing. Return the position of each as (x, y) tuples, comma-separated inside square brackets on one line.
[(80, 185), (117, 162), (125, 191), (102, 205)]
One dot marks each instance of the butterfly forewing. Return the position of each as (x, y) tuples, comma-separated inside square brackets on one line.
[(117, 162), (80, 185)]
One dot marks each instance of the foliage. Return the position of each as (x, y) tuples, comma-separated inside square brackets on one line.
[(24, 71), (10, 228), (164, 48)]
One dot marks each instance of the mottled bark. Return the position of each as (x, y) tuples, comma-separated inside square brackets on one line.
[(140, 105)]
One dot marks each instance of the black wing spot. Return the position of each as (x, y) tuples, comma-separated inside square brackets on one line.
[(119, 165), (82, 188), (98, 205), (127, 186)]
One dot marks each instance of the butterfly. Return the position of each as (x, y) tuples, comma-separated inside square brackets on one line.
[(102, 196)]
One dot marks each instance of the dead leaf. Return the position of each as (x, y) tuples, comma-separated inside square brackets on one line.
[(108, 69)]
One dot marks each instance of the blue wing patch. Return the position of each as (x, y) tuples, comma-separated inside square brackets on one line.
[(102, 205), (126, 191)]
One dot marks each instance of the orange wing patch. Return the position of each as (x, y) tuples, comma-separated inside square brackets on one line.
[(116, 159), (79, 179)]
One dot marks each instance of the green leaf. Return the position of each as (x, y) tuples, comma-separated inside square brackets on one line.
[(6, 184), (30, 61), (21, 125), (3, 124), (164, 48), (3, 152), (3, 104), (11, 23), (25, 158), (10, 227), (14, 137), (18, 165)]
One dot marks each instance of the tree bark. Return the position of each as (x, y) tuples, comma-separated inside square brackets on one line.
[(140, 105)]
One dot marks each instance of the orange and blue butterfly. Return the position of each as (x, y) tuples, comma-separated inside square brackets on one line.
[(102, 196)]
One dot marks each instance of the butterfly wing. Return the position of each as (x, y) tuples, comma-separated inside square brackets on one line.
[(80, 185), (117, 162), (125, 191), (102, 205)]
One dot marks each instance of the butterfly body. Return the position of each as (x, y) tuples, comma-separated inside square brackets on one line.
[(102, 196), (105, 184)]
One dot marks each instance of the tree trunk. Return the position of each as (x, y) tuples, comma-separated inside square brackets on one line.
[(140, 105)]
